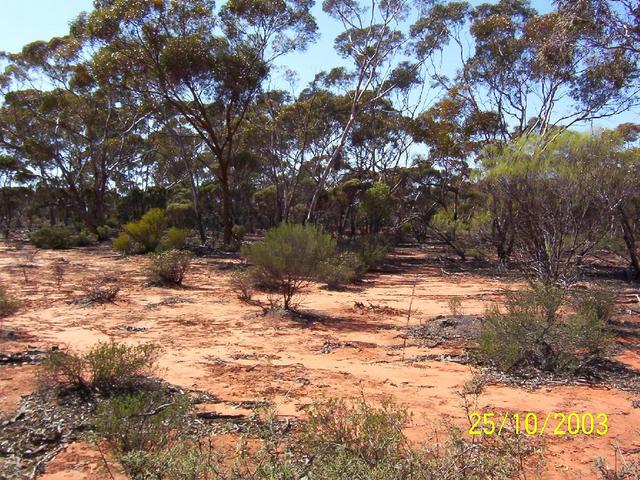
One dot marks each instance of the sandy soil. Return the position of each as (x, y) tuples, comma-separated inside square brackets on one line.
[(219, 344)]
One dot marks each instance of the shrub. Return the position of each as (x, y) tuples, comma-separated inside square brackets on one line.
[(243, 283), (106, 367), (290, 256), (123, 243), (341, 269), (173, 239), (534, 331), (8, 305), (98, 293), (105, 232), (455, 306), (142, 422), (372, 251), (169, 267), (84, 239), (147, 232), (238, 232)]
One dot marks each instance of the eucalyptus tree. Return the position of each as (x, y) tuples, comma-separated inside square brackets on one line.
[(559, 196), (206, 64), (72, 133), (539, 72), (374, 43)]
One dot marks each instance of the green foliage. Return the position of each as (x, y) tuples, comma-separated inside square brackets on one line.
[(173, 239), (341, 269), (376, 205), (147, 232), (60, 238), (548, 329), (169, 267), (124, 244), (372, 251), (290, 256), (142, 422), (105, 232), (8, 305), (108, 366), (150, 234)]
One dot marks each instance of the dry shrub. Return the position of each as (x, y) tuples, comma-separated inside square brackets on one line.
[(244, 283), (549, 329), (99, 293), (108, 366), (8, 305), (169, 267)]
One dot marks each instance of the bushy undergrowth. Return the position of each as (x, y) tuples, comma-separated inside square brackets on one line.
[(8, 305), (289, 257), (372, 250), (108, 366), (169, 267), (341, 269), (149, 234), (340, 440), (548, 329), (60, 237)]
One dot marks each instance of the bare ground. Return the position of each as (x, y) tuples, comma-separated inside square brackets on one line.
[(348, 343)]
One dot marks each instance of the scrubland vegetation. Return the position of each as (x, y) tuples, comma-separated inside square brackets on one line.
[(157, 132)]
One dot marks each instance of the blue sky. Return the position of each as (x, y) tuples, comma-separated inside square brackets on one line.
[(24, 21)]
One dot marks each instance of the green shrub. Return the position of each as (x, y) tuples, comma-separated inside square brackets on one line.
[(146, 421), (238, 232), (169, 267), (372, 251), (148, 231), (105, 232), (341, 269), (548, 329), (173, 239), (123, 243), (8, 305), (106, 367), (290, 256), (58, 237), (84, 239)]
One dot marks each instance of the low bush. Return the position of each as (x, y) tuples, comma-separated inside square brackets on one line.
[(105, 232), (99, 292), (289, 257), (148, 231), (108, 366), (60, 237), (149, 234), (341, 269), (145, 421), (372, 251), (169, 267), (244, 283), (340, 440), (548, 329), (173, 239), (8, 305)]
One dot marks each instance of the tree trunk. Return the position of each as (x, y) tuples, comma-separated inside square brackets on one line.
[(630, 241)]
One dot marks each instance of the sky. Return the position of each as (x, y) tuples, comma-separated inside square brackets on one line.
[(25, 21)]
